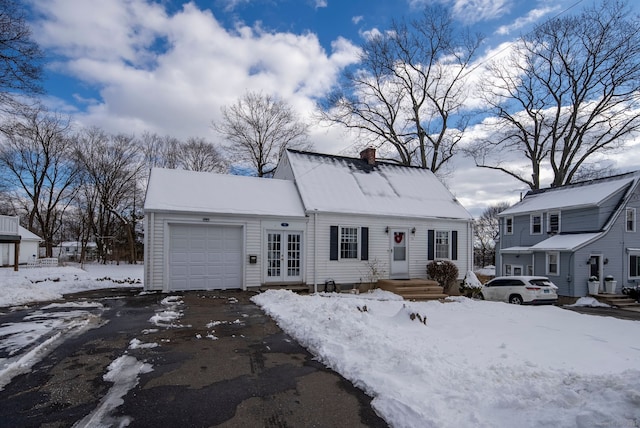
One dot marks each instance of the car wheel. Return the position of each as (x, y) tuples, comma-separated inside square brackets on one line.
[(515, 299), (479, 296)]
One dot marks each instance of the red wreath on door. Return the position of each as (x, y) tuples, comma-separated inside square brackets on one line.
[(398, 237)]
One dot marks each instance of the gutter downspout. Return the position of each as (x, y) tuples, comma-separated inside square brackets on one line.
[(315, 251), (150, 248)]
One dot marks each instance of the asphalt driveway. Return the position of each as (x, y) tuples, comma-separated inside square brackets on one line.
[(202, 359)]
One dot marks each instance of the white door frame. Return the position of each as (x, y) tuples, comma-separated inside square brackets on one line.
[(284, 250), (399, 253)]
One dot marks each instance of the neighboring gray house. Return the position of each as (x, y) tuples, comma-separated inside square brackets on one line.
[(320, 218), (574, 232)]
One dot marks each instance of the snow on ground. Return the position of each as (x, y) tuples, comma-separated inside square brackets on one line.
[(39, 284), (591, 302), (472, 363)]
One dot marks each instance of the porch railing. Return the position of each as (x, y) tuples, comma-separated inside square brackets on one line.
[(9, 225)]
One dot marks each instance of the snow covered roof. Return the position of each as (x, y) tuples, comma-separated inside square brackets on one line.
[(26, 235), (206, 192), (347, 185), (570, 242), (572, 196)]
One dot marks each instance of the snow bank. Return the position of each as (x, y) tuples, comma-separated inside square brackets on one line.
[(50, 283), (472, 363)]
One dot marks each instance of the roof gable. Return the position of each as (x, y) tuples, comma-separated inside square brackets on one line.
[(205, 192), (585, 194), (347, 185)]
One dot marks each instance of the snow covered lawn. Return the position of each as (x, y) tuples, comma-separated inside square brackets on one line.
[(471, 363), (50, 283)]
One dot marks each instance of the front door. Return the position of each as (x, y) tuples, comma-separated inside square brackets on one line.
[(595, 267), (284, 256), (399, 254)]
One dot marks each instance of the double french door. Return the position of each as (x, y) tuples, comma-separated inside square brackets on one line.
[(284, 256)]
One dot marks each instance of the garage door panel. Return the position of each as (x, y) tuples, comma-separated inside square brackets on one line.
[(205, 257)]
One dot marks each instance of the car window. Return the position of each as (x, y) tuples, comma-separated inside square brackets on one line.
[(516, 283), (498, 283), (541, 282)]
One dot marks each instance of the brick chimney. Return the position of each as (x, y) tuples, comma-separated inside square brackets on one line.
[(369, 154)]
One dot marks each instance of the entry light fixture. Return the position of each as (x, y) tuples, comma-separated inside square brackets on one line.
[(386, 230), (413, 231)]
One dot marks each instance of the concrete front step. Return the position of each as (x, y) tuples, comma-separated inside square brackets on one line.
[(619, 300), (424, 296), (413, 289)]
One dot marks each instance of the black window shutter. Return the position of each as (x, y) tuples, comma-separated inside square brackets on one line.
[(430, 244), (364, 238), (454, 245), (333, 243)]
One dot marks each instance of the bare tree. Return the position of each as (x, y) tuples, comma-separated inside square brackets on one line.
[(197, 154), (485, 232), (568, 93), (37, 154), (409, 84), (20, 56), (160, 151), (112, 165), (260, 128)]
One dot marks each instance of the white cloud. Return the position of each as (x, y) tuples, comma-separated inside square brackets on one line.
[(470, 11), (357, 19), (321, 3), (531, 17), (192, 65)]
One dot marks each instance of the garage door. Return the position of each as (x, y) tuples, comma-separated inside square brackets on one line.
[(205, 257)]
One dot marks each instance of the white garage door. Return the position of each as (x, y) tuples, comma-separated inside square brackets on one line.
[(205, 257)]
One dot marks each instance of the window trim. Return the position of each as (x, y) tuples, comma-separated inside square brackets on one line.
[(508, 228), (549, 214), (548, 263), (508, 269), (531, 224), (435, 244), (341, 229), (626, 219), (637, 256)]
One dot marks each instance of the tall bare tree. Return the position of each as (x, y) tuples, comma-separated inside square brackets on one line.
[(260, 128), (112, 164), (407, 88), (569, 92), (198, 154), (20, 57), (37, 153)]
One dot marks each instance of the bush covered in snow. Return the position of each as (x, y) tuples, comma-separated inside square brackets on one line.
[(471, 285), (443, 271)]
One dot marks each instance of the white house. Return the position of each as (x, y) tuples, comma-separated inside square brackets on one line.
[(29, 243), (321, 218)]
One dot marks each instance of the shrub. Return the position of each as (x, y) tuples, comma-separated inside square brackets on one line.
[(471, 285), (443, 271)]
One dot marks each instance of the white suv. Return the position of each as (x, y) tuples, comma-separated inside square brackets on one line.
[(520, 290)]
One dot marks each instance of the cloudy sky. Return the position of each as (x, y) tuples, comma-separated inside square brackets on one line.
[(168, 66)]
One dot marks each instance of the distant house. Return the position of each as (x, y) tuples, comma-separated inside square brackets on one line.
[(321, 218), (71, 251), (28, 248), (574, 232)]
